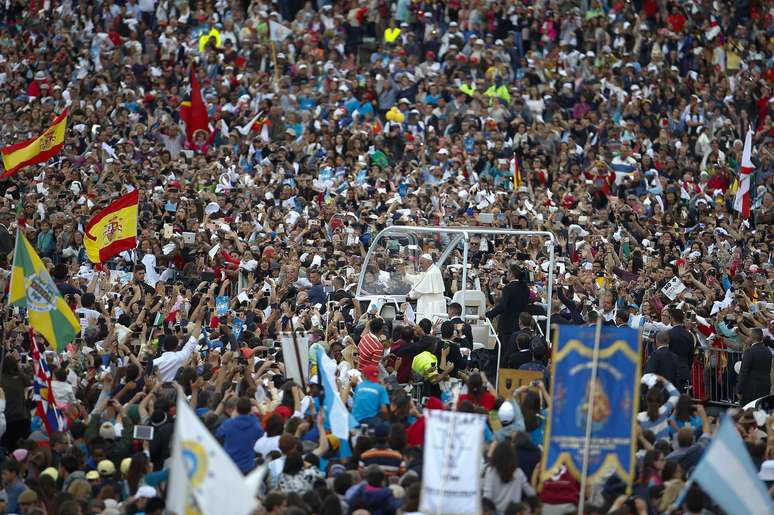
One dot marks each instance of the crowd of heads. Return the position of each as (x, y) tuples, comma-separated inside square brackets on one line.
[(618, 127)]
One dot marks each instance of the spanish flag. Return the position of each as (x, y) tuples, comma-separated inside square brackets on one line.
[(36, 150), (32, 288), (192, 110), (516, 171), (112, 230)]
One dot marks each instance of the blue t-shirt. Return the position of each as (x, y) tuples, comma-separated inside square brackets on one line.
[(369, 397)]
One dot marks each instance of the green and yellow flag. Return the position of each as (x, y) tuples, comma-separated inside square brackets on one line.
[(33, 288)]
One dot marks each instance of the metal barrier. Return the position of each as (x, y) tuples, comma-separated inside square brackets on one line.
[(713, 378)]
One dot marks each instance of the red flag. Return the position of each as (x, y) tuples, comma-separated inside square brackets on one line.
[(192, 109)]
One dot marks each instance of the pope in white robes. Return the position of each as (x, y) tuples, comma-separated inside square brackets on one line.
[(428, 289)]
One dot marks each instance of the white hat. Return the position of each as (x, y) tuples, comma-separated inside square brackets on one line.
[(505, 413), (427, 257), (444, 152), (146, 492)]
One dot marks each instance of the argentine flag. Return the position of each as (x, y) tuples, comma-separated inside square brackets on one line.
[(337, 415), (727, 474)]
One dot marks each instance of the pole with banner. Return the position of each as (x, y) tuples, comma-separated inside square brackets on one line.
[(591, 428), (452, 455), (590, 414)]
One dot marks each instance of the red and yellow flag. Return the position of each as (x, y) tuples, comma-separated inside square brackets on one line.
[(112, 230), (36, 150)]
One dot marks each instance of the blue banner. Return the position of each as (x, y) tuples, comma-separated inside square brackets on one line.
[(614, 407)]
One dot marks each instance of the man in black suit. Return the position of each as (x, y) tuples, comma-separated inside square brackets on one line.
[(682, 342), (338, 292), (755, 371), (513, 301), (662, 361), (464, 332)]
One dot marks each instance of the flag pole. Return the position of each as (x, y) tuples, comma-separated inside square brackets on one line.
[(298, 354), (589, 415)]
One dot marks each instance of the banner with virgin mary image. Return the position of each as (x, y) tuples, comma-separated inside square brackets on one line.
[(612, 396)]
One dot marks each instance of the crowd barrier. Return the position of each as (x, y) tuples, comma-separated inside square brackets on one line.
[(713, 379)]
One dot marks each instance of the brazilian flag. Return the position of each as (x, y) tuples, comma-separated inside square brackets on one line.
[(33, 288)]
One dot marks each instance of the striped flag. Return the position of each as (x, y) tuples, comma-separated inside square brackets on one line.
[(35, 150), (516, 171), (112, 230), (336, 413), (43, 395), (727, 474), (742, 199)]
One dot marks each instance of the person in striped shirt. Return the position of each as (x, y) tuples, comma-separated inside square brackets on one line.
[(390, 461), (656, 417), (371, 348)]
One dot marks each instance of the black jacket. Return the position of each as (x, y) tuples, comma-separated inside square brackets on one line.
[(754, 374), (467, 333), (682, 343), (513, 301), (664, 363)]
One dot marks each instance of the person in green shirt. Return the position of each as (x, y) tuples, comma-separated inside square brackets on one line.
[(498, 90), (469, 88)]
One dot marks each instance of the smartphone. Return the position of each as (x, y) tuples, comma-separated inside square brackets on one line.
[(342, 325), (143, 432)]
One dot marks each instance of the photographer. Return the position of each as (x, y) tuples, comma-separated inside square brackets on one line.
[(512, 302)]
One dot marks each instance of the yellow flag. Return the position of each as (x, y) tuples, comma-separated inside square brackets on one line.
[(33, 288)]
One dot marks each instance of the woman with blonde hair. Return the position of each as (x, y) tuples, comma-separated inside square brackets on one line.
[(80, 489)]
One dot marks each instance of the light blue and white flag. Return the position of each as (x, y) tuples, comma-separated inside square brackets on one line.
[(726, 473), (336, 413)]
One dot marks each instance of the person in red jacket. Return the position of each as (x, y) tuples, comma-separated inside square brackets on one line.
[(39, 86)]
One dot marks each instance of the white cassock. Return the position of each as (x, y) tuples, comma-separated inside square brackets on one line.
[(428, 290)]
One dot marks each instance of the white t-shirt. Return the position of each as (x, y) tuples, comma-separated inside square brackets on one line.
[(87, 317), (265, 444)]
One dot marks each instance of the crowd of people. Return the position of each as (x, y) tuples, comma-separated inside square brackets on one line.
[(619, 127)]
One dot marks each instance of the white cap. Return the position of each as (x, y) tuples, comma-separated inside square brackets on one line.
[(146, 492), (505, 413), (427, 257)]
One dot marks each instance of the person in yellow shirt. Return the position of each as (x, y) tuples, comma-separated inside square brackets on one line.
[(498, 90), (425, 365)]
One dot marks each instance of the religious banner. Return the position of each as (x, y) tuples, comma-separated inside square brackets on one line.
[(612, 396), (451, 475)]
